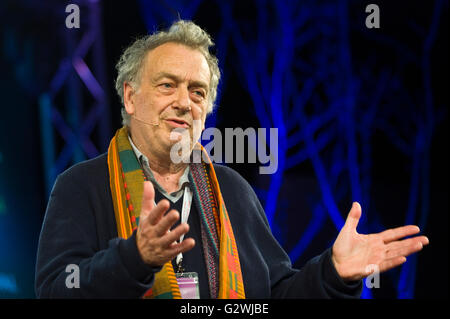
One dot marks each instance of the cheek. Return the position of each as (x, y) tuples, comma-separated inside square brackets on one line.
[(149, 106), (204, 115), (160, 103), (197, 129)]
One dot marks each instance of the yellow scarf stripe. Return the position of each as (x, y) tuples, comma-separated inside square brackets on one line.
[(226, 264), (126, 190), (116, 185), (165, 285)]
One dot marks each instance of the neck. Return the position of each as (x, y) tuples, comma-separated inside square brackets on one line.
[(166, 172), (164, 166)]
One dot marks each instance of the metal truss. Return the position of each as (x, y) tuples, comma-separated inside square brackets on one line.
[(296, 65), (74, 110)]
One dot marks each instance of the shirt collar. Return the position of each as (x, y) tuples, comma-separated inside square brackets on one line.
[(143, 160)]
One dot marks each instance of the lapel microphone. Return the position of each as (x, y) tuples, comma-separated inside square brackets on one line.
[(147, 123)]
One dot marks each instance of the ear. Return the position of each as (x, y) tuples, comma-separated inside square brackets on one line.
[(128, 98)]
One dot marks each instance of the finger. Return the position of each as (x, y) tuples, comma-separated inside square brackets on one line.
[(353, 217), (163, 226), (399, 232), (148, 199), (182, 247), (405, 250), (408, 242), (392, 263), (174, 235), (158, 211)]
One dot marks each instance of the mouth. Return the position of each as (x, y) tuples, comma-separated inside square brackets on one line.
[(175, 122)]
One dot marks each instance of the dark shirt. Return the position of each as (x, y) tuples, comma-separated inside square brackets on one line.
[(80, 228), (193, 260)]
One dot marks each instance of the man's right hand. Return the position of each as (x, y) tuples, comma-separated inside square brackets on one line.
[(156, 244)]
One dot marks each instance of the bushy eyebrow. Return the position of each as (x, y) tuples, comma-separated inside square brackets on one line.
[(177, 79)]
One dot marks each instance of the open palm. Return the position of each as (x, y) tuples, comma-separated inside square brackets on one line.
[(356, 256)]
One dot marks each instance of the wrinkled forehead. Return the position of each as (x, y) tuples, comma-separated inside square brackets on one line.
[(179, 60)]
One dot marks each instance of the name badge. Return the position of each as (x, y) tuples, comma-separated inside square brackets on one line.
[(188, 283)]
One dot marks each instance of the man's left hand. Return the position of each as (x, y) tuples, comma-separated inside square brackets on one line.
[(353, 253)]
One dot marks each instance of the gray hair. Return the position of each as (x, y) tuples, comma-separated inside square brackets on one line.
[(182, 32)]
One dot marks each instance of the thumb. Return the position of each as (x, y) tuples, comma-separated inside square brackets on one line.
[(148, 199), (353, 217)]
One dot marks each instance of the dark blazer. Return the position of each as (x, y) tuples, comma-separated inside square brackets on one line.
[(79, 229)]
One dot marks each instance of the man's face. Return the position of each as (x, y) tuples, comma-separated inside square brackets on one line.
[(173, 92)]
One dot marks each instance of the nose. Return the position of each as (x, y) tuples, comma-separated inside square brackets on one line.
[(183, 101)]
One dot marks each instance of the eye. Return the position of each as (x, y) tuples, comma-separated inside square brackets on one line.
[(199, 93), (166, 85)]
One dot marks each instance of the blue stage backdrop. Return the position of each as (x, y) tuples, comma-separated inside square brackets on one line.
[(361, 113)]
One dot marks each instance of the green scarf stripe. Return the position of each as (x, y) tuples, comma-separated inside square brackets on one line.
[(233, 280), (126, 184), (166, 295), (129, 161), (224, 209)]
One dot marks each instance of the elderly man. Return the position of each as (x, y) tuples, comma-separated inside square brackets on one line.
[(115, 219)]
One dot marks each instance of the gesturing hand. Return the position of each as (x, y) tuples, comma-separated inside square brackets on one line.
[(155, 243), (353, 252)]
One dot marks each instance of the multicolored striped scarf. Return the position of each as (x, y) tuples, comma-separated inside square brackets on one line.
[(219, 245)]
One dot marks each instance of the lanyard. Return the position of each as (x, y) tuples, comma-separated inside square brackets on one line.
[(185, 211)]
